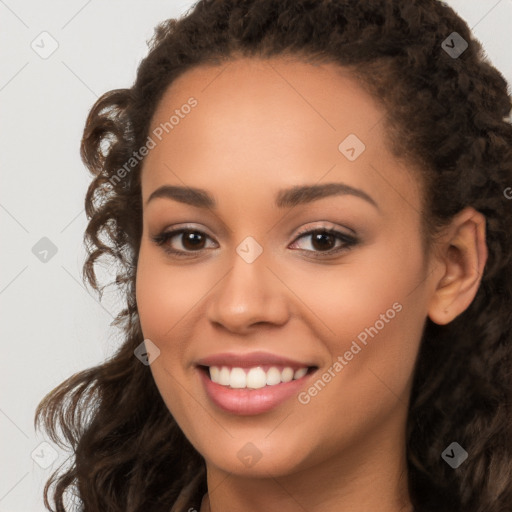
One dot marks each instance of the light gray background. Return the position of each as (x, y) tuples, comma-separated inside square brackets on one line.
[(51, 326)]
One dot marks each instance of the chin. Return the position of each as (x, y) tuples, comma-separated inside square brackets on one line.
[(255, 458)]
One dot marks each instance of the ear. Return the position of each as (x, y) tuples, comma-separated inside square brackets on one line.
[(462, 254)]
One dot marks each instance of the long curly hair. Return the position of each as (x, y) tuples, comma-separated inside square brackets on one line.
[(445, 113)]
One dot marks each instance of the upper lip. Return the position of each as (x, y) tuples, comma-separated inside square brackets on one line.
[(250, 359)]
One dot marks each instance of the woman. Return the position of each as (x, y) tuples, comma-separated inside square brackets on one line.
[(272, 370)]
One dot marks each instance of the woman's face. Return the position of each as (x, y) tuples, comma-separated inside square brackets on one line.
[(252, 289)]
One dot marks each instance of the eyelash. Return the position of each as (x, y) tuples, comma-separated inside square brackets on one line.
[(349, 241)]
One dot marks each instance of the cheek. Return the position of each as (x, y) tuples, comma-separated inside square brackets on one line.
[(160, 292), (352, 296), (165, 294), (375, 311)]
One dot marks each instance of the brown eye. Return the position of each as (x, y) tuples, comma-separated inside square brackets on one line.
[(322, 241), (191, 241)]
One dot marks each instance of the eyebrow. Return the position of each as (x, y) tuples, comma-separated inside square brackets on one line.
[(287, 198)]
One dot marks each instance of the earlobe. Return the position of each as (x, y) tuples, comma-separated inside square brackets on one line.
[(463, 254)]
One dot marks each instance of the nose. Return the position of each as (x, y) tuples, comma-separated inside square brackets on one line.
[(249, 294)]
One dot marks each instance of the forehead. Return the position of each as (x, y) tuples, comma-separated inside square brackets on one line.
[(267, 98), (277, 121)]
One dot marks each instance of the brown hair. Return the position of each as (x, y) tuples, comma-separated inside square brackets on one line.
[(444, 113)]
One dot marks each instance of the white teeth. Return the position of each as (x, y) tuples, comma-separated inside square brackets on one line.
[(237, 378), (273, 376), (255, 378), (287, 374), (214, 373), (300, 373), (223, 376)]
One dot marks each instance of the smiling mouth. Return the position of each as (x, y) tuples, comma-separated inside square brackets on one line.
[(256, 377)]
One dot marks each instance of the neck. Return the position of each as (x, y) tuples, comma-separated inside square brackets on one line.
[(369, 476)]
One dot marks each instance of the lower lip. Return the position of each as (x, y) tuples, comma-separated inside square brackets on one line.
[(250, 401)]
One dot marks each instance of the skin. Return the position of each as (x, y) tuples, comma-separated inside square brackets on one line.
[(261, 126)]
